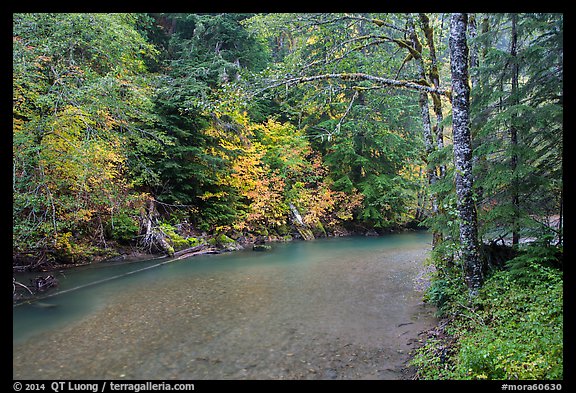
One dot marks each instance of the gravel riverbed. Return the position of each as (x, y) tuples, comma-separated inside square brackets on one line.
[(355, 317)]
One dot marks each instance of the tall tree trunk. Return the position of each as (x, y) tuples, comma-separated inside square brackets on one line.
[(438, 129), (426, 124), (514, 132), (463, 153), (434, 74)]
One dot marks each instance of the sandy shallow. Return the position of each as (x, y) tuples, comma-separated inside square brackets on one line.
[(355, 317)]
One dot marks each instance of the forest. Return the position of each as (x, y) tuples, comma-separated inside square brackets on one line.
[(164, 132)]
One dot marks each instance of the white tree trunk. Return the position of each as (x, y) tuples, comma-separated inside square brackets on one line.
[(463, 153)]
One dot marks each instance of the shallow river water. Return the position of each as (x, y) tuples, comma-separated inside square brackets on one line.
[(347, 308)]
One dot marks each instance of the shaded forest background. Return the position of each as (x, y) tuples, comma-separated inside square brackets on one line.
[(127, 123)]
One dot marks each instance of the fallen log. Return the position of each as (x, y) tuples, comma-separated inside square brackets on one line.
[(302, 228), (190, 250), (202, 249)]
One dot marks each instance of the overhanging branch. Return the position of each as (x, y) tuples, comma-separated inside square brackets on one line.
[(358, 76)]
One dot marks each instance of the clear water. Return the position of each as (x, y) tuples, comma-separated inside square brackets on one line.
[(347, 308)]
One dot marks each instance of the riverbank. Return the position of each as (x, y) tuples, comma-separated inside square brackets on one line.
[(355, 316), (513, 328), (177, 239)]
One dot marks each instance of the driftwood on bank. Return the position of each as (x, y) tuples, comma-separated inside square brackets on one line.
[(302, 228), (202, 249), (18, 284), (37, 284), (154, 239)]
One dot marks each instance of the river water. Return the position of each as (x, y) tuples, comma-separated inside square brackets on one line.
[(347, 308)]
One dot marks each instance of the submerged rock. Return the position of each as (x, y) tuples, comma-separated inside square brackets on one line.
[(261, 247), (44, 305)]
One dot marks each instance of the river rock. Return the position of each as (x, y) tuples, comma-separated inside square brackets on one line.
[(261, 247)]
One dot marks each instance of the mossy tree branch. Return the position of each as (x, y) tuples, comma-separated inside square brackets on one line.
[(359, 76)]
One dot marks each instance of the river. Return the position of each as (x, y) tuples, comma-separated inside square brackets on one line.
[(346, 308)]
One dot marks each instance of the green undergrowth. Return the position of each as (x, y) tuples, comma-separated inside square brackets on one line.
[(177, 241), (513, 329)]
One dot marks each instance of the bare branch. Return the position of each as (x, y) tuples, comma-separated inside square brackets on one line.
[(14, 283), (337, 128)]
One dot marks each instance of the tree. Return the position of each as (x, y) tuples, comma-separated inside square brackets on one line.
[(514, 131), (463, 153), (416, 54), (327, 51), (82, 118), (203, 54), (517, 126)]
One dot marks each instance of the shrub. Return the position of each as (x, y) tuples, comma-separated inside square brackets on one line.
[(122, 228), (68, 250), (522, 338), (512, 330)]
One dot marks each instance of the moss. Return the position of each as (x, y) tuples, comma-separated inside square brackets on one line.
[(170, 251), (179, 242), (306, 233), (221, 240), (193, 241), (175, 240), (423, 82), (415, 52)]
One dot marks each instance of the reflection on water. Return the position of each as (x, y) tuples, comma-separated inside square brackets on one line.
[(327, 309)]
